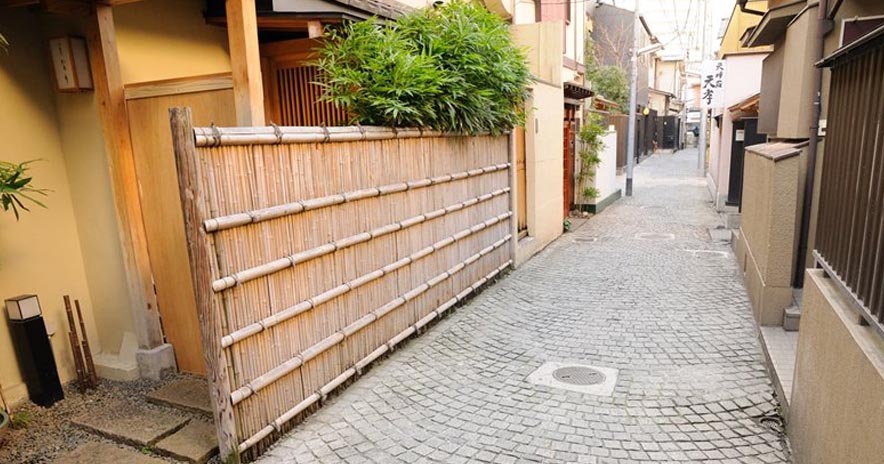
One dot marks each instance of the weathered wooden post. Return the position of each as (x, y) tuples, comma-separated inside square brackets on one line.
[(202, 263)]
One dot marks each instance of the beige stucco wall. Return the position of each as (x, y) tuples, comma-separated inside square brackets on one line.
[(837, 406), (543, 135), (40, 254), (155, 45), (796, 91), (87, 168), (765, 248)]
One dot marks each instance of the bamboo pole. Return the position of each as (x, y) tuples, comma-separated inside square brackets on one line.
[(222, 136), (203, 266), (75, 346), (352, 285), (87, 352), (278, 372), (329, 387), (277, 265), (278, 211)]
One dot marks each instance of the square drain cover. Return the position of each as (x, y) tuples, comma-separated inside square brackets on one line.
[(577, 377)]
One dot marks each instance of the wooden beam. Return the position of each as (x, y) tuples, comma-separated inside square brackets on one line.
[(203, 266), (314, 29), (110, 97), (245, 62)]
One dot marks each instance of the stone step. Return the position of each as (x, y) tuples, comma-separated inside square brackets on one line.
[(104, 453), (187, 394), (130, 423), (196, 442)]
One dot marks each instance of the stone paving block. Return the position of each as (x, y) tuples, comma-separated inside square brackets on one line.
[(190, 394), (655, 296), (103, 453), (196, 442), (129, 423)]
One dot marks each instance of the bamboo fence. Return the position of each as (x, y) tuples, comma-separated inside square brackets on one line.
[(314, 251)]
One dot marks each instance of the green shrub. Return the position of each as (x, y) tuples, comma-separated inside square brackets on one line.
[(453, 68), (591, 145)]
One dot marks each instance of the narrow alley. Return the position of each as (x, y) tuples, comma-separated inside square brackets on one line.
[(641, 291)]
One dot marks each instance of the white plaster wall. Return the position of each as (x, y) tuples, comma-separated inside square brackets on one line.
[(606, 172), (742, 81)]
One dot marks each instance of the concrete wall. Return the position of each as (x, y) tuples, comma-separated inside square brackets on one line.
[(41, 253), (544, 139), (771, 83), (765, 246), (837, 408), (796, 91)]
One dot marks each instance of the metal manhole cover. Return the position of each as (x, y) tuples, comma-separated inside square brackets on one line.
[(578, 375)]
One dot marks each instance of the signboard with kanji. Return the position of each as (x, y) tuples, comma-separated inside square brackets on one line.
[(712, 84)]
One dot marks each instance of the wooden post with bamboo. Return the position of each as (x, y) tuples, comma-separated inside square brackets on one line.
[(89, 365), (202, 262), (75, 346)]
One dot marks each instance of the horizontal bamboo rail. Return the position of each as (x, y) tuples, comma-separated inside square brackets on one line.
[(292, 260), (278, 423), (310, 303), (295, 362), (266, 214), (304, 271), (227, 136)]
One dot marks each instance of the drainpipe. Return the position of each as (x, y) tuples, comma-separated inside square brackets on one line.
[(824, 26)]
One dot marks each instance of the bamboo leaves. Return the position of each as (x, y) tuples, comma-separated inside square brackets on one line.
[(453, 68), (15, 187)]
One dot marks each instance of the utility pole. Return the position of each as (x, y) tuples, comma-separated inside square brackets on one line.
[(701, 144), (633, 97)]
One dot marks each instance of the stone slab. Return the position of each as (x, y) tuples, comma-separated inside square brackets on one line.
[(103, 453), (130, 423), (196, 442), (189, 394)]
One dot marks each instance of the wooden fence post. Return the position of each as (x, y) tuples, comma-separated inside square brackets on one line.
[(513, 172), (202, 263)]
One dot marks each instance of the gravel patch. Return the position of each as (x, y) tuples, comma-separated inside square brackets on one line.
[(50, 433)]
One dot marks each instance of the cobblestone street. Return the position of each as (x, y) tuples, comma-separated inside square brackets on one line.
[(641, 288)]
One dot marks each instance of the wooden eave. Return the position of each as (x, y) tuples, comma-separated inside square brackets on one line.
[(747, 108)]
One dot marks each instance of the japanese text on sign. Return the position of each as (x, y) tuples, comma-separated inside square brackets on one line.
[(712, 84)]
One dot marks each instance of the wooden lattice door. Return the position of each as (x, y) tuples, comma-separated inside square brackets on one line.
[(291, 94)]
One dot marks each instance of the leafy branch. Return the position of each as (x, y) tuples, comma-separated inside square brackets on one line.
[(452, 68), (16, 189), (591, 145)]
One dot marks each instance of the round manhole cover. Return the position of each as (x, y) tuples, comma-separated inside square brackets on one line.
[(578, 375)]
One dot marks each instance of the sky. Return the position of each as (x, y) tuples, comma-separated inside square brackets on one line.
[(677, 23)]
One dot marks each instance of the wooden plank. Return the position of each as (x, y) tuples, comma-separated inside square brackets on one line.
[(164, 224), (314, 29), (203, 266), (245, 61), (103, 56), (178, 86)]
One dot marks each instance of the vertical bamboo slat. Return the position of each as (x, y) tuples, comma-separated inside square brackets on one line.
[(328, 250)]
